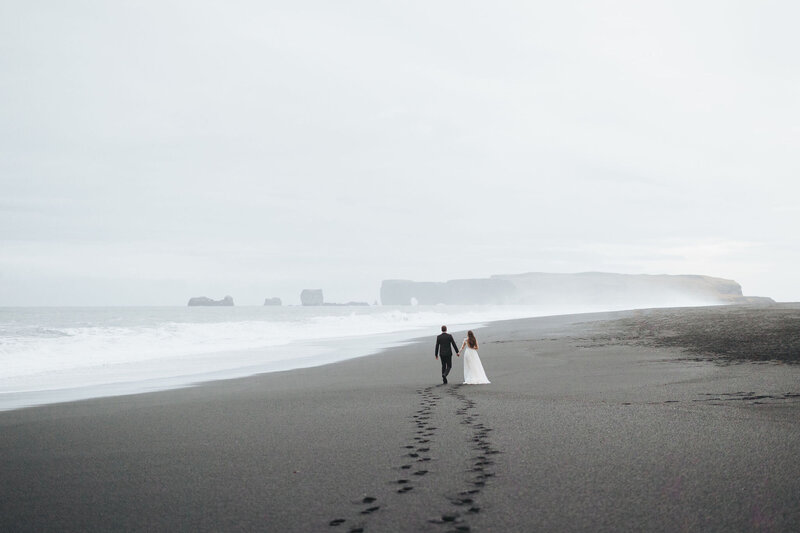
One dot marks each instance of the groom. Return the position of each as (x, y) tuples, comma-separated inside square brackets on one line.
[(443, 343)]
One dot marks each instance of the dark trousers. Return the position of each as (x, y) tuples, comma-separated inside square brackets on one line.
[(447, 364)]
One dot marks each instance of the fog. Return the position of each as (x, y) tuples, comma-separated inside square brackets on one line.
[(157, 151)]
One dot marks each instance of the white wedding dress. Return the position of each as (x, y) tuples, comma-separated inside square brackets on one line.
[(473, 369)]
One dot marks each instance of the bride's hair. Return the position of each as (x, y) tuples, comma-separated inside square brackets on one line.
[(472, 341)]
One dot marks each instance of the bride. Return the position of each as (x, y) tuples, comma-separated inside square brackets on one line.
[(473, 369)]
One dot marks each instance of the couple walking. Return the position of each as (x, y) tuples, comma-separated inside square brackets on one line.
[(473, 369)]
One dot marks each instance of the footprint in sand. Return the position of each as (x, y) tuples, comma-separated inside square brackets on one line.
[(445, 519)]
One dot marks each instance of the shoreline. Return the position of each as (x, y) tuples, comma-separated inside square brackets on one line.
[(135, 360), (569, 436), (314, 353), (162, 374)]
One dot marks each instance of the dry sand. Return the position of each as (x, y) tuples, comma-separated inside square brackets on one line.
[(589, 425)]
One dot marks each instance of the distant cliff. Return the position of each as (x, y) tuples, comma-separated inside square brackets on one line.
[(203, 300), (459, 291), (589, 288)]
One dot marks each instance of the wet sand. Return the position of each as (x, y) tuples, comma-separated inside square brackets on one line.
[(591, 423)]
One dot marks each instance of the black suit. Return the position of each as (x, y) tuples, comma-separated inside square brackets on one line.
[(443, 344)]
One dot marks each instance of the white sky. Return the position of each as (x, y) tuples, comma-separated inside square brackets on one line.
[(154, 151)]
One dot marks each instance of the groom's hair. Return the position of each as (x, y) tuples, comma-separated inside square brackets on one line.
[(444, 328)]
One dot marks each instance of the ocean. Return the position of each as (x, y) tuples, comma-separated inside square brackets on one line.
[(56, 354)]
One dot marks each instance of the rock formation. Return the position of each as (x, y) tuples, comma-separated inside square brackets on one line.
[(311, 297), (272, 301), (203, 300), (589, 288)]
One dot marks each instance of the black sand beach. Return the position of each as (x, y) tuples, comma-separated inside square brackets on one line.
[(605, 422)]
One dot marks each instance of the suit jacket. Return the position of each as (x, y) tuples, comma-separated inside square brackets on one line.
[(443, 343)]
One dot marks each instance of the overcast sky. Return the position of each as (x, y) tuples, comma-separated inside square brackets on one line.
[(153, 151)]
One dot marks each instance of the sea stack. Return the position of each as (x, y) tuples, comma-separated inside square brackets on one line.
[(273, 301), (311, 297), (205, 301)]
